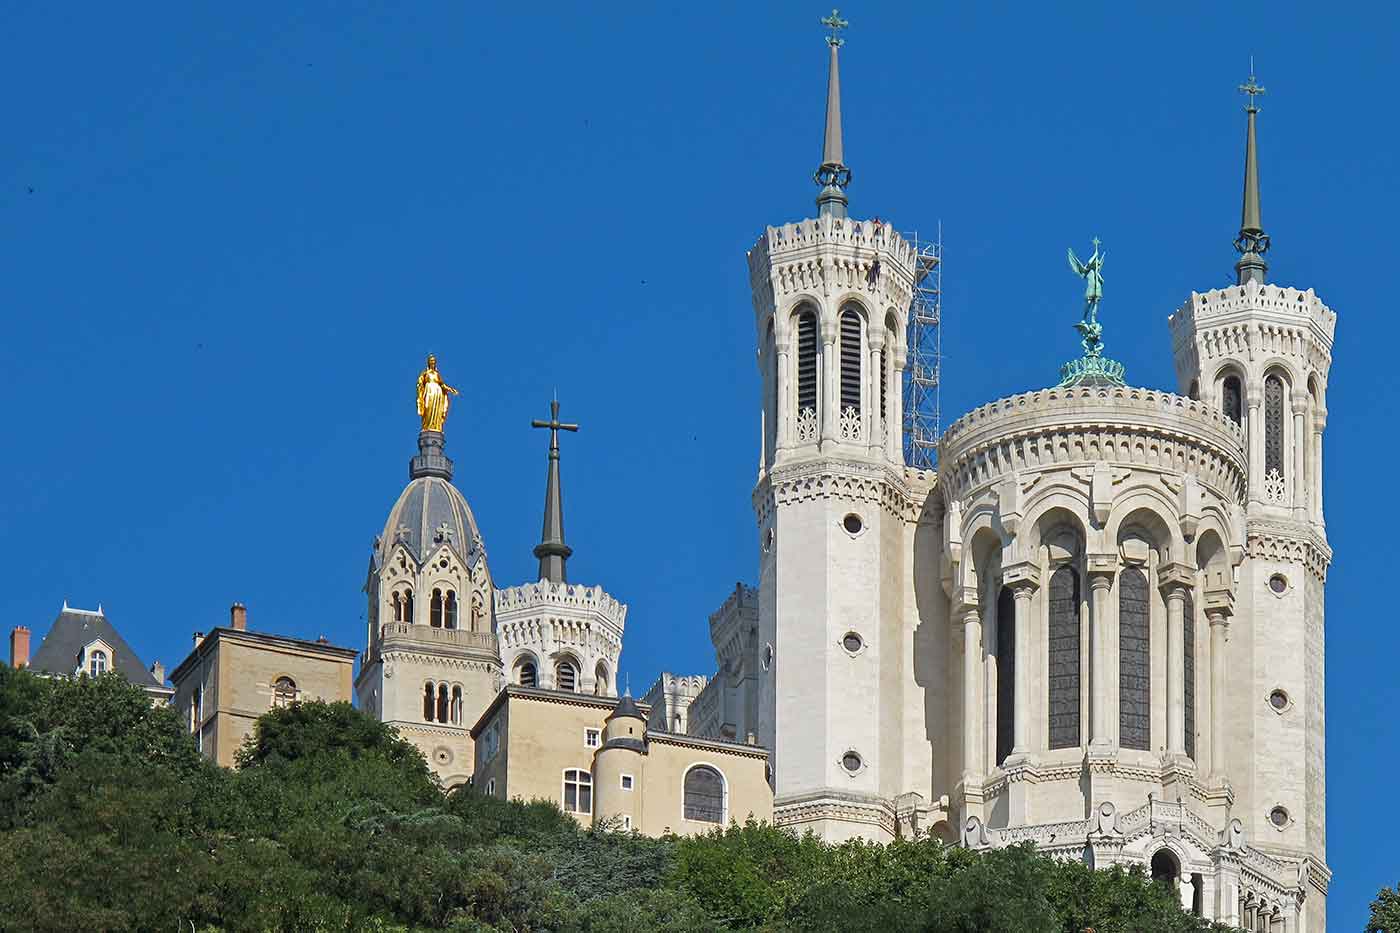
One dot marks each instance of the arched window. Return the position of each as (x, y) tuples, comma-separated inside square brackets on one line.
[(435, 610), (97, 662), (1275, 470), (704, 795), (566, 676), (806, 421), (428, 703), (1134, 662), (1006, 672), (1232, 399), (456, 706), (1064, 659), (677, 728), (478, 624), (1188, 667), (449, 610), (578, 791), (1165, 868), (398, 607), (284, 691), (850, 361), (600, 680), (442, 703), (408, 606), (526, 675)]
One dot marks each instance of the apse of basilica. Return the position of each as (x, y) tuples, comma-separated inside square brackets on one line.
[(1097, 625)]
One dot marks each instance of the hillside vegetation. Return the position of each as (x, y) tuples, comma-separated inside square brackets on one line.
[(111, 820)]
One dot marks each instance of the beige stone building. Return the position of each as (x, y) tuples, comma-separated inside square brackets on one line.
[(234, 675), (596, 758)]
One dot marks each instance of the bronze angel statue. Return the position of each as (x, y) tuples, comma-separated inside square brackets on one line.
[(432, 396), (1092, 274)]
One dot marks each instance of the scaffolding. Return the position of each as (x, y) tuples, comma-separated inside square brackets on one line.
[(924, 367)]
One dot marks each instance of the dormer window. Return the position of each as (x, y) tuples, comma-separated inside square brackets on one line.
[(97, 662)]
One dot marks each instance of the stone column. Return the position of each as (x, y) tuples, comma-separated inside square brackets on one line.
[(1175, 581), (873, 382), (1319, 425), (831, 390), (1101, 572), (972, 691), (1219, 619), (1256, 440), (894, 438), (1300, 447), (782, 406), (1023, 577)]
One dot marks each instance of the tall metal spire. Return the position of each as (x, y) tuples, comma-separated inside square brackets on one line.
[(552, 551), (1253, 242), (832, 175)]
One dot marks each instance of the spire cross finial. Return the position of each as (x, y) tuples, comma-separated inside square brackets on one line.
[(1252, 89), (555, 426), (835, 23)]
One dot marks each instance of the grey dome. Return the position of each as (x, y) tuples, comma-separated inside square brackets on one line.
[(431, 512)]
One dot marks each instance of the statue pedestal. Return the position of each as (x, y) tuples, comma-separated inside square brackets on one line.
[(431, 461)]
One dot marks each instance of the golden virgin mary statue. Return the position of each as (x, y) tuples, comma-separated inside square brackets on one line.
[(432, 396)]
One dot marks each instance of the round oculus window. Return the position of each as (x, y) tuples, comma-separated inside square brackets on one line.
[(852, 524), (1279, 584), (852, 642), (1279, 817), (851, 762), (1278, 700)]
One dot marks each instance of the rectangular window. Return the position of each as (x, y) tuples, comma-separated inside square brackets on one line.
[(627, 822), (578, 791), (491, 788), (627, 782), (591, 737)]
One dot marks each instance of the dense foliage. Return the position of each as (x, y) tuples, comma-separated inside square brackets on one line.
[(111, 820)]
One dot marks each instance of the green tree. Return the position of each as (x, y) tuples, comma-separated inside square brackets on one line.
[(1385, 912)]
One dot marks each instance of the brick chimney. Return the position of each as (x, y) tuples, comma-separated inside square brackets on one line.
[(19, 646), (158, 671), (238, 617)]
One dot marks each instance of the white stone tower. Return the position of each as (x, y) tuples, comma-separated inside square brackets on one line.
[(1261, 352), (831, 297), (431, 662), (556, 634)]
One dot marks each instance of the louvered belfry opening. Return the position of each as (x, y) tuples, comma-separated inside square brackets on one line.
[(1231, 399), (850, 361), (806, 361), (884, 386), (1273, 426)]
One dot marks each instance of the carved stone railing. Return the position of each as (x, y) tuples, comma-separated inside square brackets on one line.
[(403, 634), (1123, 425)]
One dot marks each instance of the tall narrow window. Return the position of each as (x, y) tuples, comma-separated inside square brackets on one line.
[(1275, 472), (850, 362), (1231, 399), (435, 610), (806, 421), (1188, 668), (704, 795), (442, 703), (449, 610), (578, 791), (428, 702), (565, 676), (398, 608), (478, 623), (1134, 661), (1006, 672), (408, 606), (600, 680), (884, 386), (1064, 659), (456, 706)]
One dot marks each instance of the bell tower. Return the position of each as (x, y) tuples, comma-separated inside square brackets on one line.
[(831, 297), (1262, 353)]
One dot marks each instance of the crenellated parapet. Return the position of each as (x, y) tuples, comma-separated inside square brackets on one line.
[(1260, 323), (544, 626), (830, 257)]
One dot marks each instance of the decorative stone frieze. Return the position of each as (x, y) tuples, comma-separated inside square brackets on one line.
[(847, 480), (824, 255), (1288, 541)]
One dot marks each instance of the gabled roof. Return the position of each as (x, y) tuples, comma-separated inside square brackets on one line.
[(74, 630)]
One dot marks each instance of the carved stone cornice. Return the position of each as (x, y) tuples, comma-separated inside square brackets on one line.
[(829, 478), (1288, 541)]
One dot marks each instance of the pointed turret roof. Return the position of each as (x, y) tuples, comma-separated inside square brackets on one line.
[(552, 551), (832, 175), (1253, 242)]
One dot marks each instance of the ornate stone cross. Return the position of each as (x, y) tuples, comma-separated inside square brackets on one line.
[(835, 23), (443, 532), (1252, 89)]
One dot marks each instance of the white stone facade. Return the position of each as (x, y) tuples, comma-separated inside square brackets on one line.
[(1098, 626), (563, 636)]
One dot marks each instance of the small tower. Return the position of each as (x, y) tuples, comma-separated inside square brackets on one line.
[(556, 634), (619, 766), (1262, 353), (431, 662), (831, 298)]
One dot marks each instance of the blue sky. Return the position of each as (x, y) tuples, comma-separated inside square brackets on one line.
[(228, 235)]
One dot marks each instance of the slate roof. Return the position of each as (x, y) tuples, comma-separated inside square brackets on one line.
[(74, 630)]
